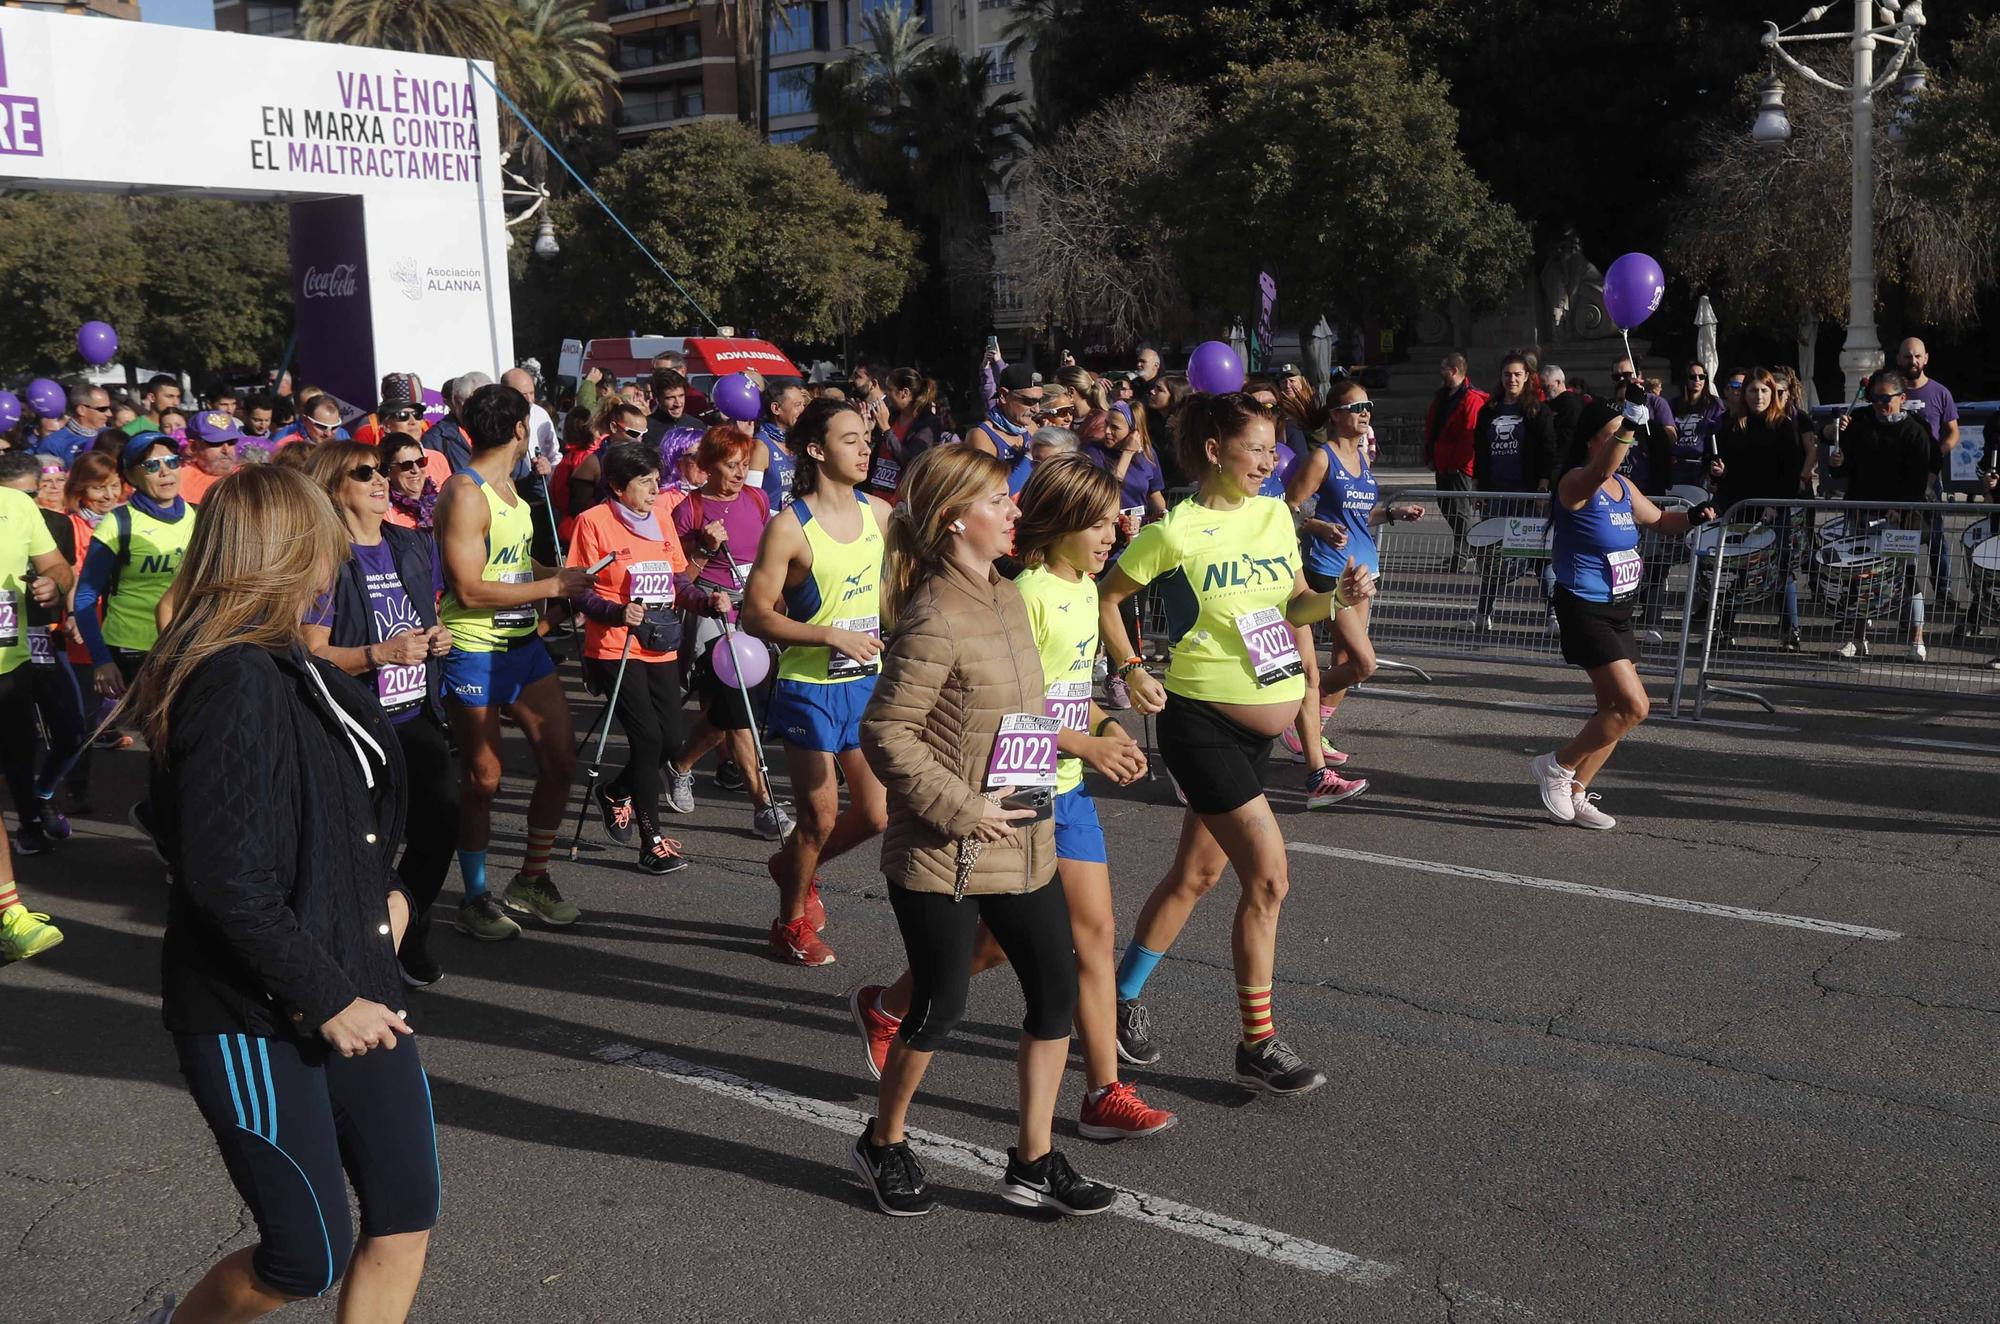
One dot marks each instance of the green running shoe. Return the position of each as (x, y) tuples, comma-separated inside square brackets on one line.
[(25, 933), (481, 917), (535, 894)]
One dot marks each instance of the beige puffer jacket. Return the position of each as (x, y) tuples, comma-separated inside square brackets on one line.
[(962, 657)]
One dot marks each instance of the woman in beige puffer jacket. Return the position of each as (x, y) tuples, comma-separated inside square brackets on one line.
[(961, 657)]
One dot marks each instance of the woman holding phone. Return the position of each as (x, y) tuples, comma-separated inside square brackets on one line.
[(956, 724)]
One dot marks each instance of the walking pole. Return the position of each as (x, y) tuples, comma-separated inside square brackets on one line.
[(749, 709), (596, 764)]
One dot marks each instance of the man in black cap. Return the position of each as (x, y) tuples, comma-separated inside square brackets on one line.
[(1005, 430)]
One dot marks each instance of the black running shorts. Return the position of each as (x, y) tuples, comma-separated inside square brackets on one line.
[(1217, 762), (1595, 634)]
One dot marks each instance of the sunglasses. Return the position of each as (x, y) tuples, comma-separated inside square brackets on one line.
[(1356, 407), (406, 466), (161, 464), (1623, 376), (636, 434), (1697, 376), (402, 415), (1886, 400), (1734, 384), (366, 473)]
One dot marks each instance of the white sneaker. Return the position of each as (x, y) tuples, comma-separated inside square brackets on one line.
[(771, 822), (1588, 815), (1851, 649), (1918, 652), (1557, 785), (1486, 625)]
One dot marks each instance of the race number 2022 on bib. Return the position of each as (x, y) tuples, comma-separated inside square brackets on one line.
[(1024, 753), (1273, 650)]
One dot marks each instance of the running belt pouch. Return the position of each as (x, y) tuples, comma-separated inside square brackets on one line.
[(660, 631)]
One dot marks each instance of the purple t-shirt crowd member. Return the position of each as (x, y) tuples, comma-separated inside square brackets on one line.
[(1934, 407), (742, 519)]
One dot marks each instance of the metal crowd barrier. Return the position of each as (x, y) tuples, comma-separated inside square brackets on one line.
[(1471, 579), (1835, 594)]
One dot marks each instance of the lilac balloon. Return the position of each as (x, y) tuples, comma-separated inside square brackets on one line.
[(1214, 369), (47, 398), (1632, 290), (740, 662), (737, 397), (97, 343), (10, 409)]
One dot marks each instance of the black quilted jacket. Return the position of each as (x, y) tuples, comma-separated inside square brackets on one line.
[(278, 846)]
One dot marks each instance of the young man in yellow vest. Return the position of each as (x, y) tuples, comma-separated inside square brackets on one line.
[(498, 664)]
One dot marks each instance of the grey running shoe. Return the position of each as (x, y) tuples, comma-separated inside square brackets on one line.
[(680, 791), (1273, 1068), (481, 917), (771, 822), (1135, 1035)]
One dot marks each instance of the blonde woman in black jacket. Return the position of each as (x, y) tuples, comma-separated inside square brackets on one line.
[(277, 786)]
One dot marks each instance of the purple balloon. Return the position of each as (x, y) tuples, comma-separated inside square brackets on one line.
[(1214, 369), (97, 342), (737, 397), (1632, 290), (740, 662), (10, 409), (47, 398)]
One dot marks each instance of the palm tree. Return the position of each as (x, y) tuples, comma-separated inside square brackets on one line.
[(746, 23), (556, 69), (1040, 26), (475, 28), (959, 141), (892, 42)]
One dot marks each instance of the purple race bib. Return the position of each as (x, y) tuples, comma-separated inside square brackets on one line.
[(650, 582), (1626, 570), (1024, 753), (41, 648), (1273, 649), (10, 618), (400, 687), (1069, 703)]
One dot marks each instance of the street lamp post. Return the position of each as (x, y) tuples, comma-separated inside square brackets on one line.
[(1900, 22)]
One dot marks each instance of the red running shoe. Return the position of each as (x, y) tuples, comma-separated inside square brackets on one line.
[(797, 944), (1119, 1112), (815, 908), (877, 1027)]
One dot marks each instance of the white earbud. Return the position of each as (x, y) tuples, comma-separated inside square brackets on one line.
[(958, 526)]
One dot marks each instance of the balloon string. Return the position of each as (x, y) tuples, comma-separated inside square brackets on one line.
[(1627, 334)]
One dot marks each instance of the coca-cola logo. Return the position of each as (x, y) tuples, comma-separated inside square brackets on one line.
[(334, 283)]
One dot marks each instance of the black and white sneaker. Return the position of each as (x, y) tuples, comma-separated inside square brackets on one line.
[(892, 1175), (1273, 1068), (729, 777), (617, 812), (30, 839), (1135, 1037), (1051, 1183)]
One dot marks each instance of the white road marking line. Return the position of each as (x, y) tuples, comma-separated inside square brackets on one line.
[(1601, 893), (1939, 744), (1152, 1210), (1719, 723)]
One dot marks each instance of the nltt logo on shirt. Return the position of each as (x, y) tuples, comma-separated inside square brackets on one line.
[(1247, 571)]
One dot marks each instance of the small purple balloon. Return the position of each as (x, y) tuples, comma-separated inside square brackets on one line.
[(97, 343), (740, 662), (737, 397), (1632, 290), (47, 398), (10, 409), (1214, 369)]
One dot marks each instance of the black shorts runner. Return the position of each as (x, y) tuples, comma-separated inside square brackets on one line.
[(1217, 763), (1595, 634)]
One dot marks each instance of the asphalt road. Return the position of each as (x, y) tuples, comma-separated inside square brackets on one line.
[(1733, 1061)]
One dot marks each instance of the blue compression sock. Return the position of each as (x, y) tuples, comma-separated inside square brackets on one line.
[(1133, 970), (472, 869)]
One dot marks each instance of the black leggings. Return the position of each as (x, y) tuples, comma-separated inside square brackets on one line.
[(60, 700), (17, 739), (939, 934), (430, 832), (649, 712)]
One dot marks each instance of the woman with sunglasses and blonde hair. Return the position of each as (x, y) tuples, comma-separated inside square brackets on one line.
[(380, 625), (955, 729), (279, 793), (1069, 512)]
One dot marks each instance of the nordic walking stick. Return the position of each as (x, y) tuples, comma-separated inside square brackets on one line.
[(597, 763), (749, 709)]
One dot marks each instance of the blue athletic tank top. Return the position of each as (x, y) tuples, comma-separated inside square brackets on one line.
[(1347, 500), (1596, 549)]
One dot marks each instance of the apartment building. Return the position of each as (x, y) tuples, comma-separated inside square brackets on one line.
[(100, 8)]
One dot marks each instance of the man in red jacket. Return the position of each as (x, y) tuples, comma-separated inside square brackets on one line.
[(1448, 429)]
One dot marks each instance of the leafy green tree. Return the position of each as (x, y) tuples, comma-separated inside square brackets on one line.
[(1767, 230), (477, 28), (761, 235), (1342, 177), (1954, 127), (192, 285)]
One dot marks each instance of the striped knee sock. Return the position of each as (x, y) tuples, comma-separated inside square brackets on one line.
[(540, 840), (9, 898), (1255, 1004)]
